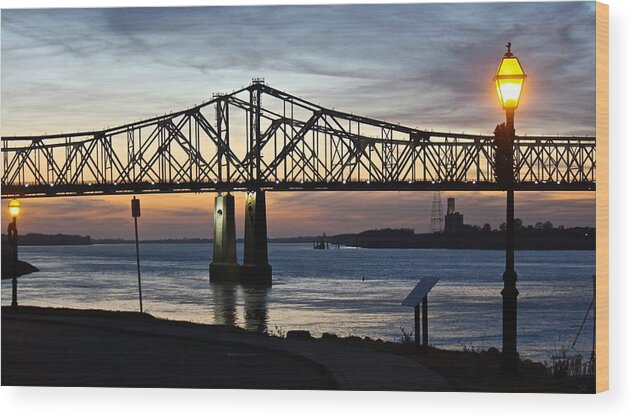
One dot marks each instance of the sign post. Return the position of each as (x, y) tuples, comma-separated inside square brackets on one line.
[(136, 213), (417, 299)]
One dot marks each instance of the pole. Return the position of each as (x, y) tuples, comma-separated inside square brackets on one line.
[(593, 355), (510, 356), (138, 263), (14, 280), (417, 324), (425, 324)]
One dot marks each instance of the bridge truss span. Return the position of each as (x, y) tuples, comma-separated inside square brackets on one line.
[(262, 138)]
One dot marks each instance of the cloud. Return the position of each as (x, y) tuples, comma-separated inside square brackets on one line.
[(422, 65)]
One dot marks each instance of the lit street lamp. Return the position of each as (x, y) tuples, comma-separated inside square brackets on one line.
[(509, 82), (12, 236)]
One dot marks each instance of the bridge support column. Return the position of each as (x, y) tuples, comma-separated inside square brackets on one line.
[(224, 265), (256, 268)]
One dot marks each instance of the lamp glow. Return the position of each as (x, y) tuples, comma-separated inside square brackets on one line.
[(509, 80), (14, 207)]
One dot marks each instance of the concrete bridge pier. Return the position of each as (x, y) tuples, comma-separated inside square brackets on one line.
[(224, 265), (256, 268)]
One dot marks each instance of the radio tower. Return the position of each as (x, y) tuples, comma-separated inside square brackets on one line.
[(436, 224)]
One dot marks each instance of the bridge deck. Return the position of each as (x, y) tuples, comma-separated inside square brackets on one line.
[(39, 191)]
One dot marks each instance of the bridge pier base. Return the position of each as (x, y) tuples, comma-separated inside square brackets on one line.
[(256, 268), (224, 265)]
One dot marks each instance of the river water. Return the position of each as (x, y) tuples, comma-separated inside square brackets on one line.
[(323, 291)]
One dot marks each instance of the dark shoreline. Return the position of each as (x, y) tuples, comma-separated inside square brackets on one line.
[(445, 245), (526, 238), (132, 332), (8, 268), (98, 348), (577, 238)]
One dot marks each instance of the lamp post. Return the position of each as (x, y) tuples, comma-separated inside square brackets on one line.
[(136, 213), (509, 81), (12, 236)]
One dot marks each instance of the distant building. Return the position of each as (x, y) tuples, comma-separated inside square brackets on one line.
[(454, 221)]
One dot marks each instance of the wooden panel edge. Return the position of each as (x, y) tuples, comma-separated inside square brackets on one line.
[(602, 197)]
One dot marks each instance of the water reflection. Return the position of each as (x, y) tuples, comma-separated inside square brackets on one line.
[(323, 291), (225, 300), (255, 307)]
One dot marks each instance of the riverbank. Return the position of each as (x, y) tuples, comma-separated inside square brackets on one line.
[(8, 269), (577, 238), (527, 238), (67, 347), (479, 371)]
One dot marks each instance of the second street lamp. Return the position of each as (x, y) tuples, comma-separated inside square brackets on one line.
[(509, 82), (12, 237)]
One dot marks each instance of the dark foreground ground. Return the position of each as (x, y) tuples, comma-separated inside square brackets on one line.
[(54, 353), (64, 347), (473, 371)]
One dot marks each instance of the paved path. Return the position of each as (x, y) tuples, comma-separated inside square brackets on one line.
[(73, 347)]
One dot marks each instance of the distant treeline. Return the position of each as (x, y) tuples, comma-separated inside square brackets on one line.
[(159, 241), (541, 236), (37, 239), (577, 238), (197, 240)]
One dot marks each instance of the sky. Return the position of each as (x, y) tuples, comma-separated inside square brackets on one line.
[(422, 65)]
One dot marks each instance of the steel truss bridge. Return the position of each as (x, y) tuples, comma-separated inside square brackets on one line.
[(261, 138)]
